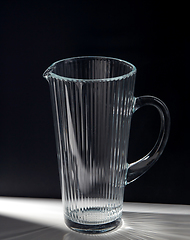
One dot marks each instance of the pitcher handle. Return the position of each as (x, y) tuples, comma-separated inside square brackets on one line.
[(138, 168)]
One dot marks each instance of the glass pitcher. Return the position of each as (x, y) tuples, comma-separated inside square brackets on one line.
[(93, 102)]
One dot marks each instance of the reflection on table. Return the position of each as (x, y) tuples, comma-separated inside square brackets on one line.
[(42, 219)]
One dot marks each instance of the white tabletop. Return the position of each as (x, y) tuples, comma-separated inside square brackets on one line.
[(42, 219)]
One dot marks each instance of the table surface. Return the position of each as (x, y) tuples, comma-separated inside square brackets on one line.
[(42, 219)]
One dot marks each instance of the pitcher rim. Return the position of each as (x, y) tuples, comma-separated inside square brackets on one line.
[(49, 71)]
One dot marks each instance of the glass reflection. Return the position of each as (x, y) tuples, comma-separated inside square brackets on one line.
[(34, 219), (144, 226)]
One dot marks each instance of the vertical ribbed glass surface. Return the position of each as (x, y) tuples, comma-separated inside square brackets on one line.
[(92, 100)]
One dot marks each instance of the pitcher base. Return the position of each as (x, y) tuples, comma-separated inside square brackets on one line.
[(92, 229)]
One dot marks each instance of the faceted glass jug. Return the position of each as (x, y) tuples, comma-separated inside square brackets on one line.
[(93, 102)]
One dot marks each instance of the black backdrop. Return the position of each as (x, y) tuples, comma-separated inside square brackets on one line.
[(151, 35)]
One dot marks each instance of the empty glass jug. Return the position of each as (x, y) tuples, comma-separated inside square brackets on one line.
[(93, 102)]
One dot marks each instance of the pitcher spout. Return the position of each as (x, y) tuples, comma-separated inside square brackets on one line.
[(48, 72)]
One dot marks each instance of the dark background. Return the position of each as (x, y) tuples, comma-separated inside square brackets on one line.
[(151, 35)]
